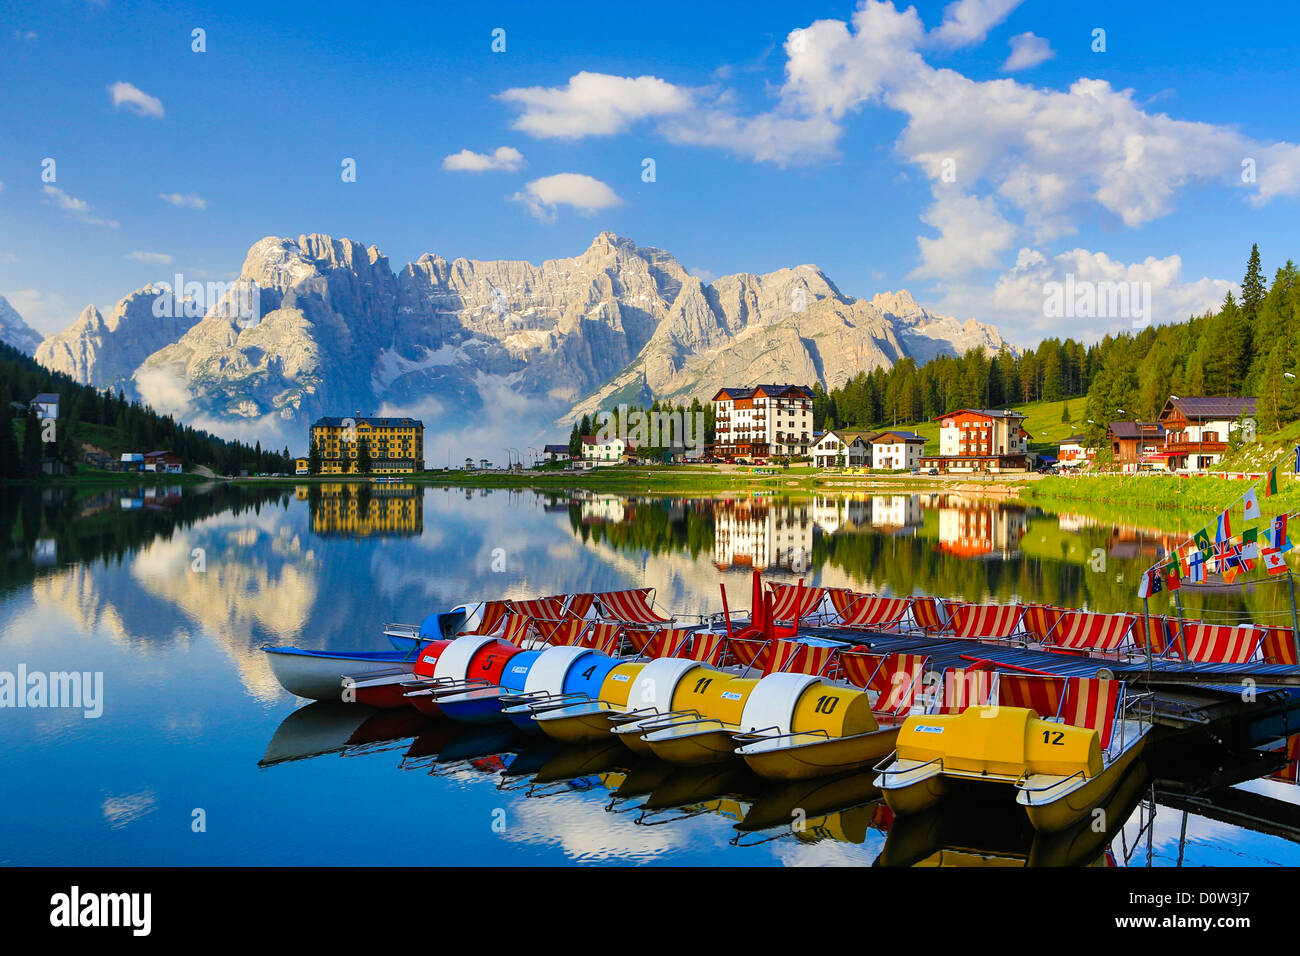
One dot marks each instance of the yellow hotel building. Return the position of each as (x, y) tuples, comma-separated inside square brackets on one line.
[(396, 445)]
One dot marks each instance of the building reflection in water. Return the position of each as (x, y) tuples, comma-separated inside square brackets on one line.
[(360, 510), (972, 528)]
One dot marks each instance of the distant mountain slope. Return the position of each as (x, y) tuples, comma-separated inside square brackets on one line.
[(16, 332), (466, 342)]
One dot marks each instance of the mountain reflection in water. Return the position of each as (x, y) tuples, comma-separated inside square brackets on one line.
[(171, 591)]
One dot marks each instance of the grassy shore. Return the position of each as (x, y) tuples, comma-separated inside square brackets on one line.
[(1199, 493)]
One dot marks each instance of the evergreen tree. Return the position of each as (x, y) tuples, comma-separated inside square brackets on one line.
[(10, 467), (575, 440), (32, 445), (1065, 412), (364, 462), (1252, 286)]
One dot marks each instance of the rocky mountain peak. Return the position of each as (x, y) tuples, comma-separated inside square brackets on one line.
[(15, 331)]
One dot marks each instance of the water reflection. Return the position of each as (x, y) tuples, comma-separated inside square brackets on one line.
[(172, 598)]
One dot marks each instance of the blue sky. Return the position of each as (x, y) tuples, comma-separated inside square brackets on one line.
[(781, 134)]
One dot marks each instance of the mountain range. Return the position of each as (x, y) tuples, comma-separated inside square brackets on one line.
[(477, 347)]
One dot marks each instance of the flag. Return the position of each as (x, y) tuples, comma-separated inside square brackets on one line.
[(1196, 573), (1202, 540), (1223, 530), (1144, 586), (1250, 536), (1171, 580), (1229, 575), (1250, 551), (1273, 561), (1297, 459), (1279, 532), (1251, 505), (1270, 489)]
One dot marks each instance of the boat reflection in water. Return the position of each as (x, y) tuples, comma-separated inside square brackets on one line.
[(845, 809)]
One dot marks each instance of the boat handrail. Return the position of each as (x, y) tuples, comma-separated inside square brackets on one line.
[(1020, 783), (885, 770), (760, 735)]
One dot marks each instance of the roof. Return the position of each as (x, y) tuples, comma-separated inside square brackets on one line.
[(905, 436), (986, 412), (155, 454), (1137, 429), (555, 449), (1208, 407), (331, 422), (1073, 440), (590, 440), (771, 391), (46, 397), (848, 437)]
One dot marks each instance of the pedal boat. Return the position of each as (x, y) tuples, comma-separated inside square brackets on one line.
[(649, 684), (318, 675), (540, 680), (1058, 772)]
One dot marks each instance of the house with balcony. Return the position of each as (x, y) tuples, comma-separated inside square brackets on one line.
[(1133, 445), (1197, 429), (1074, 452), (838, 448), (896, 451), (598, 452), (972, 440), (765, 421)]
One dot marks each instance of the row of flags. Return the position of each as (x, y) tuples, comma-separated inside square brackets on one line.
[(1216, 549)]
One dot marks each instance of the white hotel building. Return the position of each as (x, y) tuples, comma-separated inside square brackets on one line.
[(763, 421)]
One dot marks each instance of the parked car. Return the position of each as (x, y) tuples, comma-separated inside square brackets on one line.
[(933, 471)]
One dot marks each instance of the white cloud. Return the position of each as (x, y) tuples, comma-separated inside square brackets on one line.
[(185, 200), (75, 208), (505, 158), (1019, 296), (972, 236), (25, 36), (46, 312), (151, 258), (1027, 50), (969, 21), (594, 104), (583, 193), (135, 99)]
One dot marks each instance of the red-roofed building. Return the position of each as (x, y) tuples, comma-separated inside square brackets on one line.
[(763, 421), (981, 440)]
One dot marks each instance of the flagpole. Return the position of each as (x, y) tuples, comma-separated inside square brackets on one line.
[(1295, 619), (1146, 612)]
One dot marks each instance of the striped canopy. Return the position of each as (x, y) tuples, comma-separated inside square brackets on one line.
[(930, 614), (708, 647), (1220, 643), (1040, 619), (490, 618), (843, 600), (1092, 703), (877, 612), (546, 609), (1278, 645), (630, 607), (1040, 693), (664, 642), (797, 657), (787, 597), (562, 632), (1088, 631), (516, 629), (1161, 636), (984, 621), (965, 687), (604, 636)]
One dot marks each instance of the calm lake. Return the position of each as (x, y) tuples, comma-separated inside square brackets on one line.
[(199, 757)]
